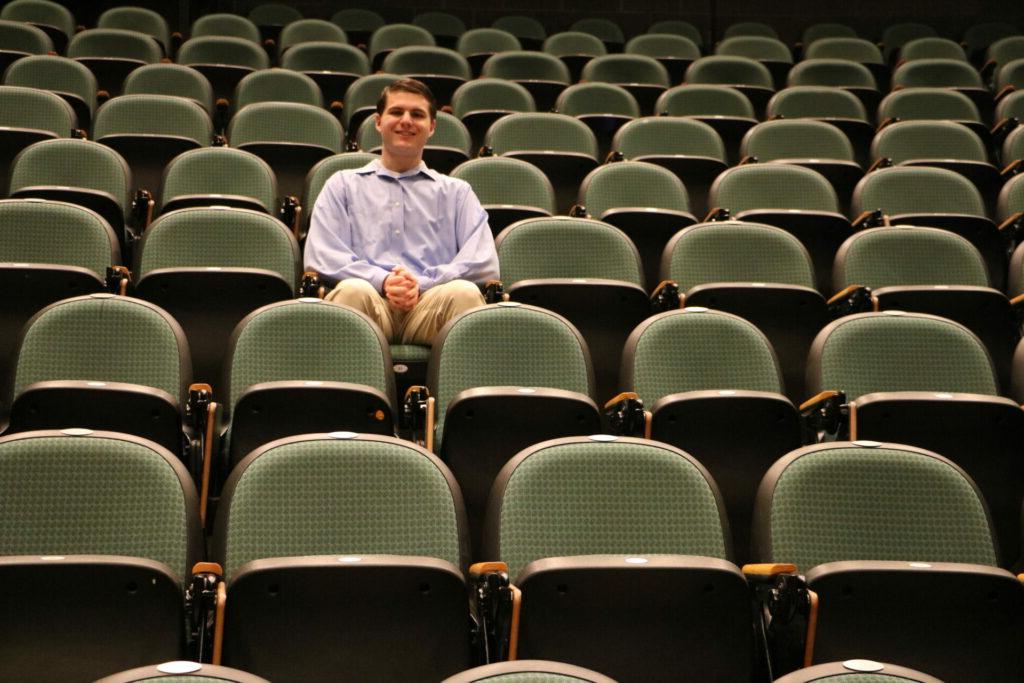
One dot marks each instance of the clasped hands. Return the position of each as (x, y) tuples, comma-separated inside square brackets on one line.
[(401, 288)]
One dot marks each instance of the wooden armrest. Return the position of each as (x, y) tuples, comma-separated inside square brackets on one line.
[(768, 569), (818, 399)]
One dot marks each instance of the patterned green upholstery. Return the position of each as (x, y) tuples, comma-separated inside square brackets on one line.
[(225, 24), (537, 349), (704, 100), (632, 184), (927, 103), (896, 36), (625, 68), (941, 73), (326, 56), (491, 94), (749, 28), (932, 47), (605, 29), (539, 676), (850, 48), (1005, 50), (679, 28), (825, 29), (831, 72), (285, 122), (573, 43), (659, 135), (153, 115), (115, 42), (564, 247), (810, 101), (623, 497), (596, 98), (736, 251), (101, 337), (846, 502), (137, 19), (325, 168), (525, 65), (979, 36), (540, 131), (277, 85), (760, 48), (357, 19), (1011, 105), (1011, 73), (796, 139), (482, 40), (901, 190), (364, 92), (216, 49), (1011, 198), (910, 140), (223, 237), (74, 163), (37, 109), (28, 229), (1013, 146), (521, 27), (427, 59), (725, 70), (308, 31), (274, 14), (903, 255), (504, 180), (392, 36), (94, 495), (57, 74), (323, 496), (40, 12), (903, 352), (772, 186), (450, 132), (663, 45), (18, 37), (170, 79), (220, 170), (339, 345), (440, 23), (723, 351)]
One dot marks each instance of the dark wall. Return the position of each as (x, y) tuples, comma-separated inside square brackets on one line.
[(789, 17)]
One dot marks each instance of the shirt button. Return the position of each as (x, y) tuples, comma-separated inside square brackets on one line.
[(397, 232)]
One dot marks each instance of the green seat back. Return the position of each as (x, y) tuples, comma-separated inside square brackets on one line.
[(170, 79), (796, 139), (56, 232), (217, 49), (440, 23), (723, 352), (1005, 50), (20, 37), (810, 101), (704, 100), (603, 29), (325, 168), (427, 59), (596, 98), (449, 132), (749, 28), (1010, 74), (837, 73), (357, 19), (736, 251), (1011, 198), (626, 68), (583, 497), (153, 115), (838, 502), (274, 14), (96, 494), (564, 247), (896, 351), (392, 36), (115, 42), (340, 345), (927, 103), (57, 74), (896, 36), (525, 65), (220, 170), (277, 85), (74, 163), (574, 43), (904, 190), (288, 122), (309, 31), (100, 337), (364, 92), (761, 48), (26, 107), (932, 47), (726, 70), (225, 24), (905, 255), (851, 49), (137, 19), (980, 36), (521, 27), (1010, 105), (772, 186), (663, 45), (326, 56), (661, 135), (489, 94), (823, 30), (939, 73), (505, 180), (365, 495), (204, 237), (632, 184), (540, 131), (40, 12), (679, 28), (483, 40)]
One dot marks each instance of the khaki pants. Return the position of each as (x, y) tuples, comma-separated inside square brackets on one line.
[(435, 307)]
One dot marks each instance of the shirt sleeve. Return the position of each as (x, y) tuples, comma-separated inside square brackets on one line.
[(476, 259), (328, 244)]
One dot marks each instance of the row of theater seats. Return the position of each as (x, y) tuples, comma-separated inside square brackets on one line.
[(336, 551)]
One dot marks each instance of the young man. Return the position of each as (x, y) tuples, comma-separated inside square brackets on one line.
[(406, 243)]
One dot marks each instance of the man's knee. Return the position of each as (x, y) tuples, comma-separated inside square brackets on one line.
[(359, 294), (463, 295)]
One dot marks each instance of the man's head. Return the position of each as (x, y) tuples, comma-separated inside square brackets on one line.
[(406, 118)]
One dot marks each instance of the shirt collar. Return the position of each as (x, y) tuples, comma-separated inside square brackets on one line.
[(377, 168)]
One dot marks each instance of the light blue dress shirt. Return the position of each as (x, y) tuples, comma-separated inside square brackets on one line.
[(368, 220)]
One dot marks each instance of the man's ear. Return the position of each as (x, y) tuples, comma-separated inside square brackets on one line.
[(433, 127), (376, 122)]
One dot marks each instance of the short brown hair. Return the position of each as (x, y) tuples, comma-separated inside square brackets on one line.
[(410, 85)]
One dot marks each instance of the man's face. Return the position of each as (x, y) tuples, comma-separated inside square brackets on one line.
[(405, 126)]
